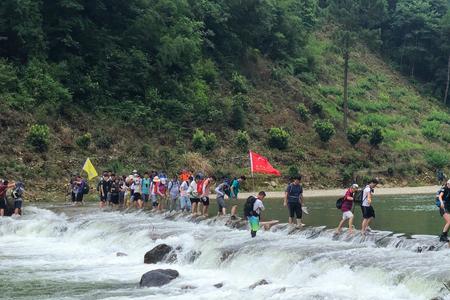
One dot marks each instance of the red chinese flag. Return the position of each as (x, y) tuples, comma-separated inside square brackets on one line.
[(260, 164)]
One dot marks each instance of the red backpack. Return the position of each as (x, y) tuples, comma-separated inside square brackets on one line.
[(200, 187)]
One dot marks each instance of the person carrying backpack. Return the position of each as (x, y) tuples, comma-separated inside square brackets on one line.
[(194, 195), (366, 206), (444, 210), (293, 199), (346, 208), (252, 211), (17, 194), (174, 193), (222, 190)]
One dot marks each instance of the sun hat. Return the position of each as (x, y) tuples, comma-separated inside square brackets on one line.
[(156, 179), (355, 186)]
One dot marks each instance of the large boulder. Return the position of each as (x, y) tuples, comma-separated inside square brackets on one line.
[(158, 277), (157, 254)]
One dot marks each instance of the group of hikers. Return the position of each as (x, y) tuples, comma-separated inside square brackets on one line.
[(190, 193)]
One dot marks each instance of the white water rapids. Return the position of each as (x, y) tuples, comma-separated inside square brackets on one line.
[(49, 254)]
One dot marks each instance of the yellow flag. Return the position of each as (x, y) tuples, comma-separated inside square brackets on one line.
[(90, 170)]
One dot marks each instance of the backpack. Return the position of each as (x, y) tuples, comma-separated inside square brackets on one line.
[(17, 192), (339, 202), (359, 197), (248, 207), (200, 186), (85, 188), (437, 201)]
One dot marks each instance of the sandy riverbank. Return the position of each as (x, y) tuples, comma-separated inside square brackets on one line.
[(340, 192)]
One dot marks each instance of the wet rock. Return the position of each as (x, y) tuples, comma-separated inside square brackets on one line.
[(157, 254), (218, 285), (158, 277), (193, 256), (121, 254), (261, 282), (282, 290), (226, 254), (188, 287)]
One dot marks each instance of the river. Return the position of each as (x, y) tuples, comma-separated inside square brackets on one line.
[(59, 252)]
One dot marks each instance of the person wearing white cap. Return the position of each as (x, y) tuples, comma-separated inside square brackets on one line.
[(346, 208)]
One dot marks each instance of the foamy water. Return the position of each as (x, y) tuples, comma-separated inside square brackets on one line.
[(49, 255)]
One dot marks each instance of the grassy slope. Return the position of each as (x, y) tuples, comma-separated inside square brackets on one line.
[(378, 95)]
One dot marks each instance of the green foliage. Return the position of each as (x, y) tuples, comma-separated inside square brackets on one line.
[(146, 150), (376, 136), (278, 138), (242, 140), (325, 130), (39, 137), (103, 141), (293, 171), (437, 159), (303, 112), (84, 141), (239, 83), (355, 133), (317, 108), (237, 117), (204, 142), (431, 129)]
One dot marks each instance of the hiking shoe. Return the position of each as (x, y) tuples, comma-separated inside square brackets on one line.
[(233, 218), (443, 238)]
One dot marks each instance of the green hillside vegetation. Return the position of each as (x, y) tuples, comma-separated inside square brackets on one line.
[(169, 84)]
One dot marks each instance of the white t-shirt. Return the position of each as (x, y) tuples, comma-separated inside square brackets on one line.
[(258, 206), (184, 189), (366, 192), (193, 189)]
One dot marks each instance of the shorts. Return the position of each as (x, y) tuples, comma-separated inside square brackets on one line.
[(108, 196), (145, 197), (137, 196), (18, 204), (221, 203), (195, 200), (347, 215), (295, 209), (253, 221), (73, 196), (205, 201), (79, 197), (103, 198), (115, 198), (121, 197), (445, 210), (368, 212)]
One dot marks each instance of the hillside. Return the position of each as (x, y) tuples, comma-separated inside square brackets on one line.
[(132, 117)]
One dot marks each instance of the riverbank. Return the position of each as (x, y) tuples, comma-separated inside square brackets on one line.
[(340, 192)]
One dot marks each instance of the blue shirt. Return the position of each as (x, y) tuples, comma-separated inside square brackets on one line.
[(146, 186)]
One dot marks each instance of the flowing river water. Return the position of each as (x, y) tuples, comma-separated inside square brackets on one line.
[(58, 252)]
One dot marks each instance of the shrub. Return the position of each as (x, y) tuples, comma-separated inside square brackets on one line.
[(303, 112), (317, 108), (242, 140), (437, 158), (431, 129), (84, 141), (146, 150), (103, 141), (376, 136), (210, 141), (278, 138), (293, 171), (198, 139), (239, 83), (354, 134), (237, 116), (38, 137), (325, 130)]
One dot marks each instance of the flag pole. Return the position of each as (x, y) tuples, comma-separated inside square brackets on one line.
[(251, 169)]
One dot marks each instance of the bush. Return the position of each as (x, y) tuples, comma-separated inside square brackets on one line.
[(237, 120), (242, 140), (103, 141), (239, 83), (376, 136), (38, 137), (354, 134), (146, 150), (84, 141), (437, 158), (303, 112), (317, 108), (324, 129), (431, 129), (198, 139), (293, 171), (210, 141), (278, 138)]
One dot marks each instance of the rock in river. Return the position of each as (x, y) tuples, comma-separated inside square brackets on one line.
[(158, 277)]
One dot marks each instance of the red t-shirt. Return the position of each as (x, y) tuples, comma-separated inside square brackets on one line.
[(347, 204)]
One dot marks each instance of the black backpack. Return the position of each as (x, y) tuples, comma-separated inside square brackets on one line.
[(86, 188), (359, 197), (339, 202), (248, 207)]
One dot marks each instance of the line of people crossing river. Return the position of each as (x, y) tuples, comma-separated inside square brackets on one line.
[(190, 193)]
